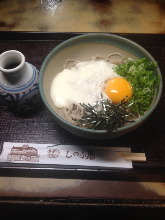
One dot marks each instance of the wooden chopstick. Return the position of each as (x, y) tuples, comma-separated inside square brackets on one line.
[(132, 156)]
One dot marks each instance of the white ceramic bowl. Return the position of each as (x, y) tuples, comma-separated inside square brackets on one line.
[(83, 48)]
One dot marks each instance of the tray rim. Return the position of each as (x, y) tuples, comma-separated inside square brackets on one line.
[(136, 174)]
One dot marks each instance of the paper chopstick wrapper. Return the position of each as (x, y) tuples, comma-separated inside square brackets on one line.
[(65, 155)]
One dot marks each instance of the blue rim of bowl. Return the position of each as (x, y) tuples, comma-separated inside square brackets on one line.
[(69, 41)]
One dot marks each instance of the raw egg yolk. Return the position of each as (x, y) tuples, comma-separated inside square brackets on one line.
[(118, 89)]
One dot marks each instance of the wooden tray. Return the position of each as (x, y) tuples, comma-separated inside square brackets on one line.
[(40, 128)]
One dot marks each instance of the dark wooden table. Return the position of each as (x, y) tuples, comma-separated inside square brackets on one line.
[(82, 190)]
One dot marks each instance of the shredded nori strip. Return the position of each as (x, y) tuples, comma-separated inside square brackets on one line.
[(105, 116)]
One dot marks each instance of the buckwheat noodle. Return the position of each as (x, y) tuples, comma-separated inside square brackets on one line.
[(75, 112)]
